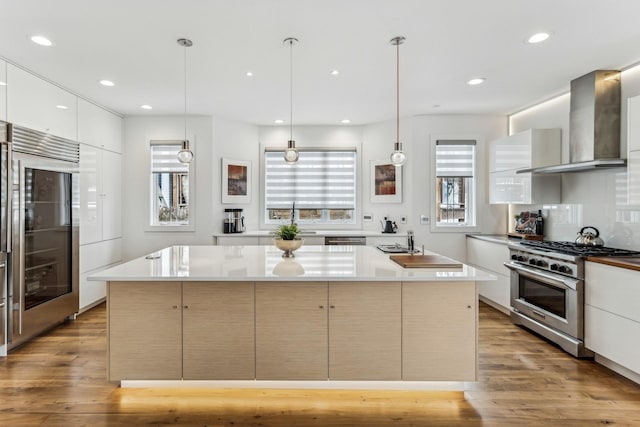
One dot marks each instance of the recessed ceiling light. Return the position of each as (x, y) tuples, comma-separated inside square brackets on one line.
[(146, 107), (278, 121), (42, 41), (345, 121), (108, 83), (62, 107), (476, 81), (335, 72), (249, 74), (538, 37), (3, 83)]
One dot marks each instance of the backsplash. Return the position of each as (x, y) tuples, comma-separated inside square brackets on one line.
[(597, 199)]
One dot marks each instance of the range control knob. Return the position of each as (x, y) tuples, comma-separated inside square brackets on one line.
[(514, 257), (540, 263), (554, 267), (532, 261), (521, 258), (563, 269)]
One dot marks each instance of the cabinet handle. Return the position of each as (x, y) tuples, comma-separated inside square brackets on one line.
[(321, 306), (333, 306), (468, 306), (186, 306), (175, 307)]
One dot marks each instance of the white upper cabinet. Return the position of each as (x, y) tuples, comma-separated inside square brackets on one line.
[(3, 90), (99, 127), (633, 147), (40, 105), (528, 149), (100, 194)]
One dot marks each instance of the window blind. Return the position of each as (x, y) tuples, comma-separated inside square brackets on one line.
[(455, 158), (164, 158), (318, 180)]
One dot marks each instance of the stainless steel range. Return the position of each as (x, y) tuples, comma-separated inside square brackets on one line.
[(547, 289)]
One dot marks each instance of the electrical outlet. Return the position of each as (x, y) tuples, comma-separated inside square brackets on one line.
[(403, 219), (368, 217), (424, 220)]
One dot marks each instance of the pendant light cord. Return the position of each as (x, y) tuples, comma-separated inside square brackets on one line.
[(398, 92), (185, 93), (291, 89)]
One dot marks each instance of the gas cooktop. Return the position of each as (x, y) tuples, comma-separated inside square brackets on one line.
[(571, 248)]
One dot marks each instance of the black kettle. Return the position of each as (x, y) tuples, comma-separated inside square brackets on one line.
[(387, 226)]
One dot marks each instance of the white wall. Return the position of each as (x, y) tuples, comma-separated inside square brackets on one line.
[(217, 138), (138, 131), (595, 198)]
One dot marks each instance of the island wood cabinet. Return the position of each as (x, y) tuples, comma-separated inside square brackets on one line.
[(176, 330), (450, 309), (365, 330), (303, 330), (291, 331), (612, 319)]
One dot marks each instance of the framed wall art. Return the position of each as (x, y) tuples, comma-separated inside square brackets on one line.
[(386, 182), (236, 181)]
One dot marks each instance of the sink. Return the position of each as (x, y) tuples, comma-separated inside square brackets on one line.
[(393, 249)]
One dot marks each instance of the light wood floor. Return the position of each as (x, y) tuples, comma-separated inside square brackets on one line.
[(58, 379)]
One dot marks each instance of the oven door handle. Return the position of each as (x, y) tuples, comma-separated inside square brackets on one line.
[(549, 278)]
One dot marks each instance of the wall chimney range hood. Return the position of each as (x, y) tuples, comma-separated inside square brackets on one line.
[(594, 124)]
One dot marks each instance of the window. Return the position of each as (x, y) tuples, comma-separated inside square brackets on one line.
[(170, 193), (322, 184), (455, 184)]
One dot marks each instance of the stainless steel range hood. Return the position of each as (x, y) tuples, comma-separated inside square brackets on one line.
[(594, 126)]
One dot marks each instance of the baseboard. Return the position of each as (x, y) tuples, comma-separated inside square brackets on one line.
[(619, 369), (93, 304), (495, 305)]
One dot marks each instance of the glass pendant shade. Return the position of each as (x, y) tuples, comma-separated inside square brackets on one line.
[(398, 157), (291, 154), (185, 155)]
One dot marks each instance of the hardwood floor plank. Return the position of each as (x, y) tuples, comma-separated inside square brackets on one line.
[(58, 379)]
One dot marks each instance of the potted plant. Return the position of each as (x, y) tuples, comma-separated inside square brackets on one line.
[(287, 239)]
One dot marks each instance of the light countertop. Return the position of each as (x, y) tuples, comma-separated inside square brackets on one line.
[(265, 263), (310, 233)]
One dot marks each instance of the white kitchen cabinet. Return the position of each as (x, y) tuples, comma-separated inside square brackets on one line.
[(490, 256), (100, 194), (95, 257), (3, 90), (612, 319), (99, 127), (633, 149), (37, 104), (528, 149)]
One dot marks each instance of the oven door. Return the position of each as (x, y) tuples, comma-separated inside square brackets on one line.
[(551, 299)]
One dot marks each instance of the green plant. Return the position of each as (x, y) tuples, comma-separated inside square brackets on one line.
[(287, 231)]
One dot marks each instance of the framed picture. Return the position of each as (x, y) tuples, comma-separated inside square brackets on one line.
[(386, 182), (236, 181)]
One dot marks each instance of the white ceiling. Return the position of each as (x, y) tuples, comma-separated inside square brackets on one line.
[(133, 43)]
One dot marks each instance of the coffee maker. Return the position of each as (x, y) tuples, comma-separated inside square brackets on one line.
[(233, 221)]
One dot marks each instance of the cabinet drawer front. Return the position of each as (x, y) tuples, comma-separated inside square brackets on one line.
[(100, 254), (613, 337), (488, 255), (613, 289)]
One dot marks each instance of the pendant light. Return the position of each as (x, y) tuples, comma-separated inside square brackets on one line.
[(398, 157), (185, 155), (291, 153)]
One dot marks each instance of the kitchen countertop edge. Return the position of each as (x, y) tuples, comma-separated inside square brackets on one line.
[(620, 262)]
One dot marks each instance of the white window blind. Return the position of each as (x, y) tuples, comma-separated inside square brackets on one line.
[(455, 158), (318, 180), (164, 158)]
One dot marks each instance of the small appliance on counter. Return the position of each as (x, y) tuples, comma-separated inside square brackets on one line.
[(388, 226), (233, 221)]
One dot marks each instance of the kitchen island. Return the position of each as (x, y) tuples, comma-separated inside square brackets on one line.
[(332, 317)]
